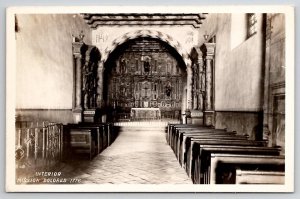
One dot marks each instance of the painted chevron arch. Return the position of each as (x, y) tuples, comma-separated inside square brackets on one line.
[(147, 33)]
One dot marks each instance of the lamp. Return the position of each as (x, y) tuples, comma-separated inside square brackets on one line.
[(205, 36), (81, 36)]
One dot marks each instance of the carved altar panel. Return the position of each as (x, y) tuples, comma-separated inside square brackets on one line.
[(146, 75)]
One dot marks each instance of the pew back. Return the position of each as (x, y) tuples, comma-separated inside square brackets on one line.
[(229, 163), (201, 159)]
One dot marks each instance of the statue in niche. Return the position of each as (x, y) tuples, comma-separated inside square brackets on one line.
[(147, 66), (89, 84), (123, 66), (168, 89), (168, 70)]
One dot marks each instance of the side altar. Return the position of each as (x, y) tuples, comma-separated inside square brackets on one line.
[(145, 113)]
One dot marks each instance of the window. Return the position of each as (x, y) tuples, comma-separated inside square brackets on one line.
[(251, 28)]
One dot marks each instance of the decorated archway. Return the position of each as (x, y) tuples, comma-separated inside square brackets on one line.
[(144, 79), (151, 34)]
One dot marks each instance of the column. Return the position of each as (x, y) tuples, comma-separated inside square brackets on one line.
[(209, 107), (77, 96), (100, 102), (100, 84), (195, 87), (189, 87), (208, 84), (201, 82), (189, 95), (78, 80)]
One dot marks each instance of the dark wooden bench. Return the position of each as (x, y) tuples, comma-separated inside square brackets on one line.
[(172, 128), (259, 177), (205, 154), (201, 163), (183, 146), (195, 142), (98, 135), (223, 166), (80, 141), (182, 134), (108, 129), (175, 132)]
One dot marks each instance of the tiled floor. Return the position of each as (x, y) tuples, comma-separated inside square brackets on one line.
[(140, 155)]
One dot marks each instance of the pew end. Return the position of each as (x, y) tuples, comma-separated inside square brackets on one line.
[(259, 177)]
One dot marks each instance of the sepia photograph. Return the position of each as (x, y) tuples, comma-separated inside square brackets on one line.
[(150, 99)]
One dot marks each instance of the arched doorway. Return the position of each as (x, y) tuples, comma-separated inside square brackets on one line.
[(144, 79)]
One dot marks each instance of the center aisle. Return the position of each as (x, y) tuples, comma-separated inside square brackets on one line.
[(140, 155)]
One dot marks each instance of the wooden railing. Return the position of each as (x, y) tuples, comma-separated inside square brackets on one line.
[(38, 144)]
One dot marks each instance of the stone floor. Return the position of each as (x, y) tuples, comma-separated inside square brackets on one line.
[(140, 155)]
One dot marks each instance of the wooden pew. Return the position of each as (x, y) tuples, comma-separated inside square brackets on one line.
[(183, 134), (80, 141), (111, 132), (183, 139), (172, 128), (259, 177), (178, 131), (175, 132), (224, 164), (195, 142), (183, 146), (201, 163), (99, 136), (105, 129), (108, 129)]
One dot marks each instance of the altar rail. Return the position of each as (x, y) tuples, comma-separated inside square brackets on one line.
[(38, 144)]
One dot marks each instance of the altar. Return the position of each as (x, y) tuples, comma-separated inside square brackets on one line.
[(145, 113)]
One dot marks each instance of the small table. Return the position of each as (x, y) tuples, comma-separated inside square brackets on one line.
[(145, 113)]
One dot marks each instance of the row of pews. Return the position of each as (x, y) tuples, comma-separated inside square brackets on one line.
[(88, 138), (218, 156), (44, 144)]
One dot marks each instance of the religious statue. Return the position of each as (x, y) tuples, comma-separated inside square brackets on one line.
[(122, 66), (168, 89), (147, 66), (89, 84)]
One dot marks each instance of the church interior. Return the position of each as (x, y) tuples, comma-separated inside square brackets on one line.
[(150, 98)]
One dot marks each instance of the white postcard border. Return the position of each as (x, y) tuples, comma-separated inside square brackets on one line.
[(11, 99)]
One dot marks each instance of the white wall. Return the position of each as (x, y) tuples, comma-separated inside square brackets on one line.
[(44, 70)]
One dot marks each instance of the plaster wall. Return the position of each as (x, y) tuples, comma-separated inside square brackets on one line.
[(238, 72), (44, 69)]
